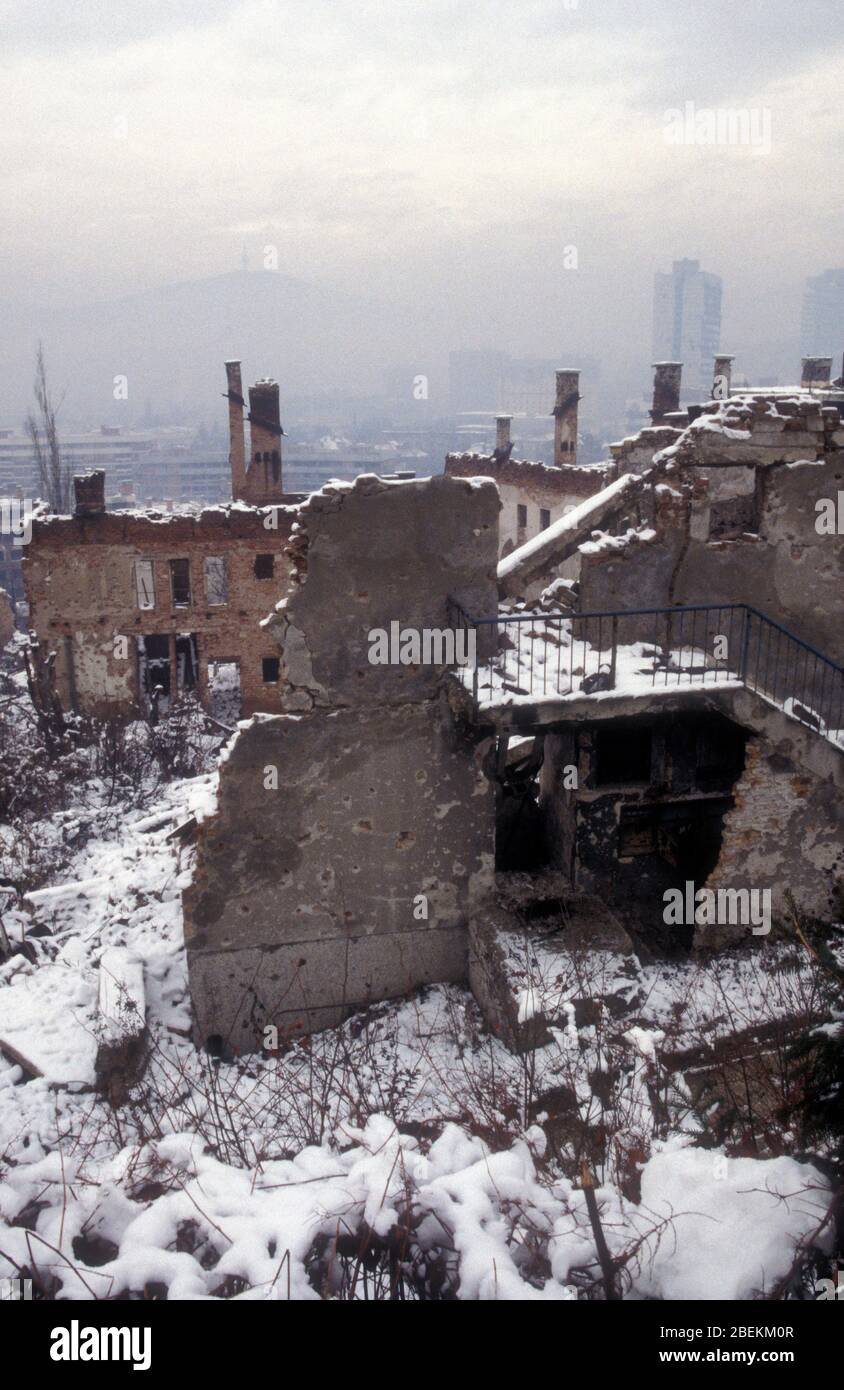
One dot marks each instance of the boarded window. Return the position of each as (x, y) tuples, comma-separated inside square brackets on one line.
[(270, 668), (216, 580), (544, 518), (521, 515), (144, 584), (264, 566), (180, 583)]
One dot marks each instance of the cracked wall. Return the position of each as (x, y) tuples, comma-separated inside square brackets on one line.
[(355, 831)]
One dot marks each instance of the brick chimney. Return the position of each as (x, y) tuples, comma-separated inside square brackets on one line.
[(503, 443), (667, 378), (815, 372), (237, 460), (722, 377), (565, 416), (89, 493), (263, 475)]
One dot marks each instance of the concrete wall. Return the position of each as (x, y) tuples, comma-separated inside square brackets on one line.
[(354, 877), (772, 461)]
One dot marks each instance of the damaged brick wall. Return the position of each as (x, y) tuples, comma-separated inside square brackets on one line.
[(355, 831), (85, 590), (786, 830)]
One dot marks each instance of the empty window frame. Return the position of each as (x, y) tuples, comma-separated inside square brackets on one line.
[(270, 666), (264, 566), (224, 690), (544, 518), (144, 585), (180, 583), (154, 663), (216, 580), (521, 516)]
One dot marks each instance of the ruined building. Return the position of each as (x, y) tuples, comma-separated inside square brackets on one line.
[(130, 601), (677, 717), (656, 698), (534, 495)]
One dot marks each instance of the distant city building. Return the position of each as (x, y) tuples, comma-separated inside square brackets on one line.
[(822, 322), (687, 322)]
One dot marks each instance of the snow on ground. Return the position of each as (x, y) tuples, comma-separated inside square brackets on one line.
[(409, 1127)]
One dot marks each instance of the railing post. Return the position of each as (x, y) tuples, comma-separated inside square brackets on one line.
[(745, 645)]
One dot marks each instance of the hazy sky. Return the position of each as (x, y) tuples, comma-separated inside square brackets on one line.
[(438, 152)]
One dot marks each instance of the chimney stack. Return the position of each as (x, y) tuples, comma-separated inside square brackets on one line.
[(667, 378), (263, 478), (565, 417), (722, 377), (89, 493), (237, 460), (816, 372), (503, 444)]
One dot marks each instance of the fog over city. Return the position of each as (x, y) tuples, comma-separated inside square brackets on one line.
[(336, 191)]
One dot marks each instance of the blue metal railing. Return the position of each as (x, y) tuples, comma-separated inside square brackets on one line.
[(548, 655)]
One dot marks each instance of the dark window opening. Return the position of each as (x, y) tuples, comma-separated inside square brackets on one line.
[(180, 583), (678, 843), (270, 666), (521, 515), (185, 661), (544, 518), (264, 566), (720, 756), (154, 662), (622, 756), (276, 465)]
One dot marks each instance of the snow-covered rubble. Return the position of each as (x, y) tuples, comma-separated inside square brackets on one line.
[(409, 1127)]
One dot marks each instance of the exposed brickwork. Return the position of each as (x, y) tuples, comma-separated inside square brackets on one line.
[(82, 587)]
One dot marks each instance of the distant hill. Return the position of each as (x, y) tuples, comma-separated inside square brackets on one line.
[(171, 343)]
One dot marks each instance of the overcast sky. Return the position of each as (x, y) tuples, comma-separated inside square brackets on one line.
[(441, 152)]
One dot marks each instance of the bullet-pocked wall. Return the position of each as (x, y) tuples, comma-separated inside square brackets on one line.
[(354, 833)]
